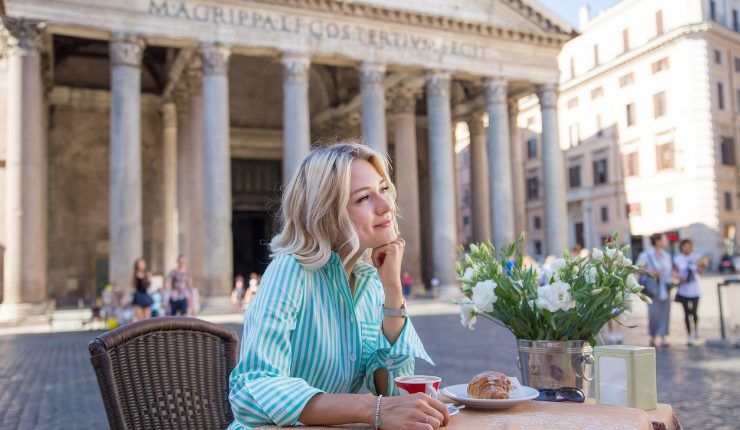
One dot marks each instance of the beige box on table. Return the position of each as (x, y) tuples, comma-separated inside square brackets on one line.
[(625, 376)]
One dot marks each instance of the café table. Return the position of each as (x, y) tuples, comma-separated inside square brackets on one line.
[(548, 415)]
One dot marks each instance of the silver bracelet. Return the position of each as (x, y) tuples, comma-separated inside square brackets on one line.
[(396, 312), (378, 421)]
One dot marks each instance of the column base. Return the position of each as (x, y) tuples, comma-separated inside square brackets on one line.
[(216, 305), (448, 292), (12, 314)]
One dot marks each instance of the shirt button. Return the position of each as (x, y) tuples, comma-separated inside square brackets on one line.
[(388, 362), (352, 357)]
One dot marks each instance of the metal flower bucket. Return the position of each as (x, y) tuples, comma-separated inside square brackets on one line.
[(556, 364)]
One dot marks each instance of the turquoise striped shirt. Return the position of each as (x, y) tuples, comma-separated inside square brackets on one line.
[(304, 333)]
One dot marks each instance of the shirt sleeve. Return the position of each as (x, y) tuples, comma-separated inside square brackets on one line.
[(397, 359), (261, 388)]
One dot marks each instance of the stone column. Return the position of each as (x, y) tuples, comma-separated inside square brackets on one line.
[(479, 179), (553, 172), (169, 173), (372, 76), (407, 181), (183, 163), (125, 157), (499, 163), (194, 176), (588, 224), (218, 261), (25, 268), (517, 170), (296, 120), (442, 182)]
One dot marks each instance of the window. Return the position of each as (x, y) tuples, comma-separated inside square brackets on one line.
[(599, 127), (574, 176), (575, 134), (720, 96), (625, 40), (600, 174), (596, 55), (659, 105), (630, 164), (597, 92), (627, 79), (735, 21), (466, 220), (727, 151), (629, 111), (713, 10), (538, 247), (533, 191), (718, 57), (737, 64), (532, 148), (669, 205), (573, 103), (660, 65), (572, 67), (537, 222), (728, 201), (604, 213), (659, 22), (634, 209), (664, 155)]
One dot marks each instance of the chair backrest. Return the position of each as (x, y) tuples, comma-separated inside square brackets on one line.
[(166, 373)]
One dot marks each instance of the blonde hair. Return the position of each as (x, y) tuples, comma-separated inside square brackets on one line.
[(313, 215)]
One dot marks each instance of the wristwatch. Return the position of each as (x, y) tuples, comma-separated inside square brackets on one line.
[(396, 312)]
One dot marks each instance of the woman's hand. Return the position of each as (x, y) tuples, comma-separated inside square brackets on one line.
[(387, 259), (411, 412)]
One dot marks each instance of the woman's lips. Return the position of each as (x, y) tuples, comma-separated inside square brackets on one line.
[(384, 224)]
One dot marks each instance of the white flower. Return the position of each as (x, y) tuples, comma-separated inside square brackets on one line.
[(633, 285), (554, 297), (467, 313), (597, 254), (613, 254), (590, 274), (468, 276), (484, 295), (558, 265), (625, 261)]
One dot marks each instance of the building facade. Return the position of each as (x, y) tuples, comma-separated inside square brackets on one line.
[(648, 110), (157, 127)]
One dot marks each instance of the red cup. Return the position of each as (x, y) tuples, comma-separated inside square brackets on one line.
[(418, 384)]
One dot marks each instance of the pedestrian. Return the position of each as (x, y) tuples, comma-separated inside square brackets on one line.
[(238, 293), (178, 286), (657, 261), (406, 282), (690, 267), (140, 283), (252, 288), (326, 323)]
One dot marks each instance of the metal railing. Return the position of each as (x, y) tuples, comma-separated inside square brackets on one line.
[(726, 283)]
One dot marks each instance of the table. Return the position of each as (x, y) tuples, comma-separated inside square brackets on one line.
[(547, 416)]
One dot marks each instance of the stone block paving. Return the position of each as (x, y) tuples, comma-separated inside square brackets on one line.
[(47, 382)]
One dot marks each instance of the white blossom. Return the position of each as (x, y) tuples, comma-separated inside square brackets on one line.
[(590, 275), (467, 313), (555, 296), (558, 265), (624, 261), (484, 295), (597, 254), (468, 276), (613, 254)]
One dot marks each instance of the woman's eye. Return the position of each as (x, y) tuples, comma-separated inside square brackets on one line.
[(362, 199), (384, 189)]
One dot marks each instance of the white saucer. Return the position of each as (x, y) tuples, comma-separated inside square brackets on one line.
[(518, 394)]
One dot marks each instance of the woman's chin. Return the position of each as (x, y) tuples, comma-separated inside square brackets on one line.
[(384, 238)]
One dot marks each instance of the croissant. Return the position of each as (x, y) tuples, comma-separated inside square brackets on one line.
[(489, 385)]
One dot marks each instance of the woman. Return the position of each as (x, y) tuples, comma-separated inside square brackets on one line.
[(658, 262), (325, 321), (689, 267), (140, 282)]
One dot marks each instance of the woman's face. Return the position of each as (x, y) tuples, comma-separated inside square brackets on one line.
[(687, 248), (370, 206), (141, 265), (662, 242)]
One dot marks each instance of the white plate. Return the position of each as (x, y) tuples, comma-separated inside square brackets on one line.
[(518, 394)]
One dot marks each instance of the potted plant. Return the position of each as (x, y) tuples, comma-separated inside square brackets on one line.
[(555, 323)]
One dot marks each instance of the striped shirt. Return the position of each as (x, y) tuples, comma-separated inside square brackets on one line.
[(305, 333)]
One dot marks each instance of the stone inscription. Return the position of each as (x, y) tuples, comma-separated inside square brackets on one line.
[(314, 28)]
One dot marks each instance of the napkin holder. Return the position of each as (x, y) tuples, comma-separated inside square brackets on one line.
[(625, 376)]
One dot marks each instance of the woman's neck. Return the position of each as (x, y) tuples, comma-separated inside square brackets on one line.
[(352, 262)]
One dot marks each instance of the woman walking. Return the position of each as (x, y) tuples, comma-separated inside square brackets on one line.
[(140, 282), (689, 266), (658, 262), (326, 322)]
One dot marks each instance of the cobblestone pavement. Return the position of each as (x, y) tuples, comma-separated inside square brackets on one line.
[(47, 382)]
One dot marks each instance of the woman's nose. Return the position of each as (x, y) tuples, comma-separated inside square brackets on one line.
[(384, 205)]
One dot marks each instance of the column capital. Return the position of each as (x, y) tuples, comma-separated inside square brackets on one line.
[(438, 83), (477, 124), (169, 114), (496, 90), (372, 75), (403, 99), (126, 49), (22, 36), (194, 77), (180, 96), (296, 67), (548, 95), (215, 58)]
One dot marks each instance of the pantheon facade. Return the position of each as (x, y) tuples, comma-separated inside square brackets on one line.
[(152, 128)]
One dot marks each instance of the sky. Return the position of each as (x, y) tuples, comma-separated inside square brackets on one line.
[(568, 9)]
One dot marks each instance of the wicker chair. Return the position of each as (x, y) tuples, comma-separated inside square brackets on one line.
[(166, 373)]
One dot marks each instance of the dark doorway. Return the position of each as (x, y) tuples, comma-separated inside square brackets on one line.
[(251, 235), (580, 237)]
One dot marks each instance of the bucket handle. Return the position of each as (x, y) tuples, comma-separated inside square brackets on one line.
[(585, 360)]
